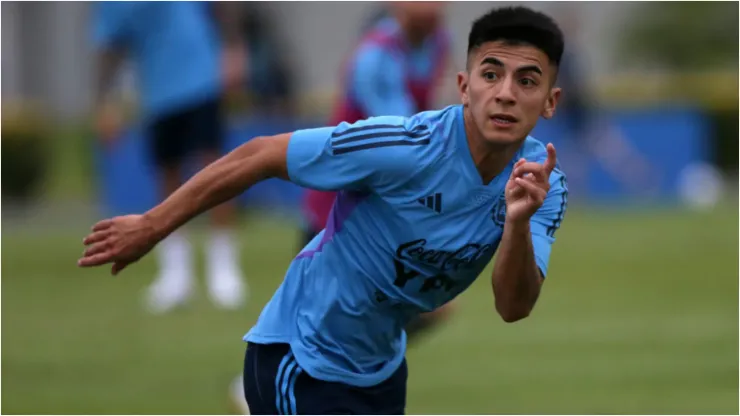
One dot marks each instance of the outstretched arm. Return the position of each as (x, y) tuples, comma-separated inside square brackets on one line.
[(250, 163), (123, 240), (349, 156)]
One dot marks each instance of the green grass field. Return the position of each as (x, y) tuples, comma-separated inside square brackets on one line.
[(639, 315)]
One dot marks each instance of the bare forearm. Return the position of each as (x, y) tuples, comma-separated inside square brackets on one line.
[(516, 279), (219, 182)]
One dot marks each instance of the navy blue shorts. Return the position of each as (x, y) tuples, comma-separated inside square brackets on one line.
[(274, 383), (176, 137)]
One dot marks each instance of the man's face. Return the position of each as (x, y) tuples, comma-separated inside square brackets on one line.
[(506, 89)]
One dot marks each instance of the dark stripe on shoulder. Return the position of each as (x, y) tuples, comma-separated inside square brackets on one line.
[(369, 128), (366, 128), (361, 137), (390, 143), (561, 212)]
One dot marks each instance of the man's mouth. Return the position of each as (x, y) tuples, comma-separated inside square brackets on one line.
[(503, 119)]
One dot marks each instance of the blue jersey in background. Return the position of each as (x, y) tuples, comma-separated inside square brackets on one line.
[(173, 44)]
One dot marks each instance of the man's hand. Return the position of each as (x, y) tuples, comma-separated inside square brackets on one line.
[(528, 186), (120, 240)]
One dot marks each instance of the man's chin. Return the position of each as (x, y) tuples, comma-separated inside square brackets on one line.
[(503, 139)]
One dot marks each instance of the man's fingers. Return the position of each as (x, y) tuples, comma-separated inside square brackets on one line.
[(95, 260), (533, 168), (96, 237), (531, 188), (516, 191), (102, 225), (516, 165), (96, 249), (552, 159), (118, 266)]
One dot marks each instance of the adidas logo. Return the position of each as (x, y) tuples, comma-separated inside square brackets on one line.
[(432, 202)]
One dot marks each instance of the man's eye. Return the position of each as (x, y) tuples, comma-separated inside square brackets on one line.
[(527, 82), (489, 76)]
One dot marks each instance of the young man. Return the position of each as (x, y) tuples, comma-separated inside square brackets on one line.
[(424, 202), (183, 71)]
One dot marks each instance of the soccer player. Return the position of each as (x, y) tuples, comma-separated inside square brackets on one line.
[(424, 202), (184, 66)]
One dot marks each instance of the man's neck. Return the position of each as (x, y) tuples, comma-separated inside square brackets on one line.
[(489, 159)]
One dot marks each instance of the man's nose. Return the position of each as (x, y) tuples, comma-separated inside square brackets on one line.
[(505, 91)]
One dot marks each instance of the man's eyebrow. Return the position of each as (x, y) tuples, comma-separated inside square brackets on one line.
[(492, 61), (529, 68), (496, 62)]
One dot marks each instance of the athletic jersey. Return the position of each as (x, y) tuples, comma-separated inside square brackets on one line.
[(385, 76), (174, 46), (412, 227)]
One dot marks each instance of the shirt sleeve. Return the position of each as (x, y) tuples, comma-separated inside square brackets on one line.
[(546, 221), (379, 85), (365, 156)]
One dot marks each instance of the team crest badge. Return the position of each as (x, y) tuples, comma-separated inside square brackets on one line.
[(498, 212)]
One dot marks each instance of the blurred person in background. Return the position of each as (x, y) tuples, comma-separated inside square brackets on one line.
[(269, 82), (589, 131), (186, 56)]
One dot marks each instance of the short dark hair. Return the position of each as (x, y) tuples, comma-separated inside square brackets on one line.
[(518, 25)]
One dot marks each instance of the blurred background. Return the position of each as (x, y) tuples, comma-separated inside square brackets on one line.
[(640, 314)]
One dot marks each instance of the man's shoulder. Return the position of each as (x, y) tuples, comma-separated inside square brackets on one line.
[(383, 136), (402, 146), (423, 125), (441, 122)]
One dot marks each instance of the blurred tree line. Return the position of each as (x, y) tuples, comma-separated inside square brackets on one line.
[(706, 38), (692, 37)]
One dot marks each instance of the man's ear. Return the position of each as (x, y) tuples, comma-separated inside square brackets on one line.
[(463, 79), (552, 102)]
